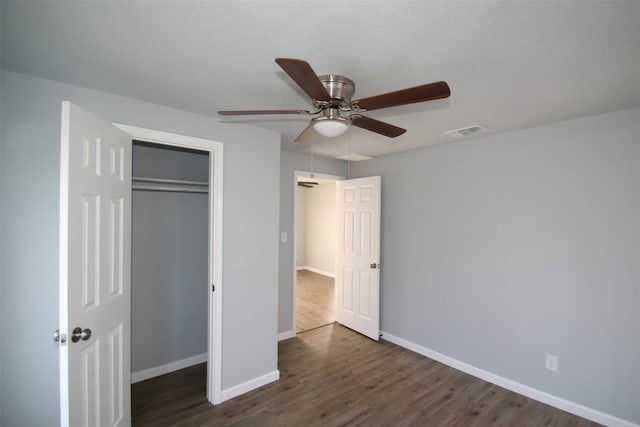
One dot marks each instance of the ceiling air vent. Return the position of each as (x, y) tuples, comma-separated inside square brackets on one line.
[(355, 157), (469, 130)]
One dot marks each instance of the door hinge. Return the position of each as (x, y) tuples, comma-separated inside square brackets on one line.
[(213, 287)]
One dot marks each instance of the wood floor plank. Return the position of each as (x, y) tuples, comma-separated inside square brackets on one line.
[(314, 300), (332, 376)]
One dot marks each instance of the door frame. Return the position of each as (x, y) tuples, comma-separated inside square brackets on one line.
[(310, 175), (214, 317)]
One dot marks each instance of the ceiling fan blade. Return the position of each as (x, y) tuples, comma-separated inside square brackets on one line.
[(258, 112), (428, 92), (306, 134), (377, 126), (302, 73)]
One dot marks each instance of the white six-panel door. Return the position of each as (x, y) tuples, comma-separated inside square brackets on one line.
[(95, 288), (358, 258)]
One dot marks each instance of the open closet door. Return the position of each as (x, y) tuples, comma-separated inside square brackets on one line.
[(358, 257), (95, 279)]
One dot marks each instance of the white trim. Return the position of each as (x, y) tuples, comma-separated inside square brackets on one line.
[(541, 396), (313, 175), (237, 390), (315, 270), (214, 345), (215, 149), (156, 371), (63, 261), (286, 335)]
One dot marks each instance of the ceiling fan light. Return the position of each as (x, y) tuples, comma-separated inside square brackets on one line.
[(330, 127)]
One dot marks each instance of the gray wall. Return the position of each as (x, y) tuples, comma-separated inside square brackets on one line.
[(501, 249), (30, 129), (289, 163), (169, 262)]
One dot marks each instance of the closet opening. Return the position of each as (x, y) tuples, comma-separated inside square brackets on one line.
[(170, 261)]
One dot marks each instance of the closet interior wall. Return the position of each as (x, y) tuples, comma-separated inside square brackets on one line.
[(169, 254)]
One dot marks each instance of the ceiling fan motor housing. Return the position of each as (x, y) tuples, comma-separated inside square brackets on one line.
[(332, 123), (339, 87)]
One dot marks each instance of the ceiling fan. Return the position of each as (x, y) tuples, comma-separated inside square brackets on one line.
[(331, 96)]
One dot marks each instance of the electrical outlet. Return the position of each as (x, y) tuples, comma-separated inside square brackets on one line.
[(552, 363)]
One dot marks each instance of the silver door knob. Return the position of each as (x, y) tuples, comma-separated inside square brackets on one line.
[(80, 334), (58, 337)]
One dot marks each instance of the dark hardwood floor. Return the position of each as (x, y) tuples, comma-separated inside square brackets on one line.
[(331, 376)]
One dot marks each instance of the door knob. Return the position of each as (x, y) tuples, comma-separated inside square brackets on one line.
[(58, 337), (79, 334)]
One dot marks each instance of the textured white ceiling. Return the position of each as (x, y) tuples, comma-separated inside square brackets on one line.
[(510, 65)]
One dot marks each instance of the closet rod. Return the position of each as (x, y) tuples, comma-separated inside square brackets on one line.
[(169, 189), (169, 181)]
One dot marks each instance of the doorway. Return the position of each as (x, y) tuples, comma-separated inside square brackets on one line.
[(315, 247), (94, 264), (212, 285), (169, 263)]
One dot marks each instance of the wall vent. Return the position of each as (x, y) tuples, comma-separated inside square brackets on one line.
[(469, 130)]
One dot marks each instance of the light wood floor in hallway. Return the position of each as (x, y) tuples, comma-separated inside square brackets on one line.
[(314, 300), (332, 376)]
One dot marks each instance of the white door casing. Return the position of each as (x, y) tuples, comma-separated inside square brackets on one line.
[(216, 154), (358, 258), (95, 263), (304, 175)]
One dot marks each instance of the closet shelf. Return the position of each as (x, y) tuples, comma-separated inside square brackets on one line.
[(169, 185), (169, 181)]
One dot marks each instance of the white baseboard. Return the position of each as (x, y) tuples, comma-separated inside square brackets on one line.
[(315, 270), (286, 335), (541, 396), (156, 371), (237, 390)]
